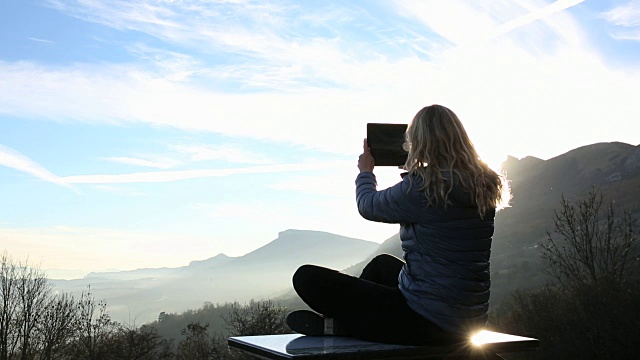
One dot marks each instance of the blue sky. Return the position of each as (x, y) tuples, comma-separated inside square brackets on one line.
[(152, 133)]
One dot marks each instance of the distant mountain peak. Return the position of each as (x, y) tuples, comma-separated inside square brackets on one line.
[(514, 161), (308, 244), (213, 261), (514, 166), (297, 232)]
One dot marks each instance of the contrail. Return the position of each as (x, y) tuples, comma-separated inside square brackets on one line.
[(168, 176), (553, 8), (15, 160)]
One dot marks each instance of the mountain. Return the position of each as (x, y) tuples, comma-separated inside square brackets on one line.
[(195, 265), (389, 246), (140, 295), (537, 187)]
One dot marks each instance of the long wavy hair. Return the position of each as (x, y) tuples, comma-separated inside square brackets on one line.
[(438, 144)]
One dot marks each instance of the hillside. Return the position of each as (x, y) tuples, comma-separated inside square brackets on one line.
[(537, 187)]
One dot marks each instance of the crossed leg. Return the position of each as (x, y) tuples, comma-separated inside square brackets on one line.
[(370, 307)]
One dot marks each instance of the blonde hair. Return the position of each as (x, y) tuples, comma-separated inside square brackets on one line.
[(437, 143)]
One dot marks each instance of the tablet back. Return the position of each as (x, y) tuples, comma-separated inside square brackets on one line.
[(385, 142)]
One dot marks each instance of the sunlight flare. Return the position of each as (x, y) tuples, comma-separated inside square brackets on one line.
[(483, 337)]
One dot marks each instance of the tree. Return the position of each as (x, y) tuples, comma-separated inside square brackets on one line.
[(595, 243), (8, 305), (56, 329), (38, 323), (256, 318), (138, 343), (591, 311), (33, 292), (93, 328), (23, 295), (197, 345)]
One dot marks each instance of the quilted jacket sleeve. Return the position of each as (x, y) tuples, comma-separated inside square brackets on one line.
[(395, 205)]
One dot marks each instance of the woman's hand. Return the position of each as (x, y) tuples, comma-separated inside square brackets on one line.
[(366, 161)]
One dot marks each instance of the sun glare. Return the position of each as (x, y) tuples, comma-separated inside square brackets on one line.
[(482, 337)]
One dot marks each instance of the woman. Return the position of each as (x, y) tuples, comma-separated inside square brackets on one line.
[(445, 205)]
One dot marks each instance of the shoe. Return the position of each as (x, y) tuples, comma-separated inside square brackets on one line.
[(311, 323), (306, 322)]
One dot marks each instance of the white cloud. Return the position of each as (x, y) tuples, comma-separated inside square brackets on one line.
[(15, 160), (117, 94), (167, 64), (536, 14), (456, 21), (503, 89), (119, 14), (227, 153), (164, 163), (40, 40), (269, 39), (626, 21), (167, 176), (627, 15), (195, 153), (467, 23), (119, 190), (245, 28)]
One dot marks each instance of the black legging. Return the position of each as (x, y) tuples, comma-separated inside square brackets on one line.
[(370, 307)]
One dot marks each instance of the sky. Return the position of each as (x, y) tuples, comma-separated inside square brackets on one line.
[(147, 134)]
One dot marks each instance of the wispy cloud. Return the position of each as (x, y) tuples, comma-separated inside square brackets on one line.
[(271, 41), (15, 160), (243, 27), (168, 64), (477, 22), (624, 15), (119, 190), (187, 154), (137, 15), (226, 153), (156, 163), (536, 14), (454, 20), (626, 20), (115, 94), (40, 40), (167, 176), (489, 84)]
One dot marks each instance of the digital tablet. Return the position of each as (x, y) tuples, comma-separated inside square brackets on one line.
[(385, 142)]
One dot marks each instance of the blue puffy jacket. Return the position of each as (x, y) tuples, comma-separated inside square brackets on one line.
[(446, 277)]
